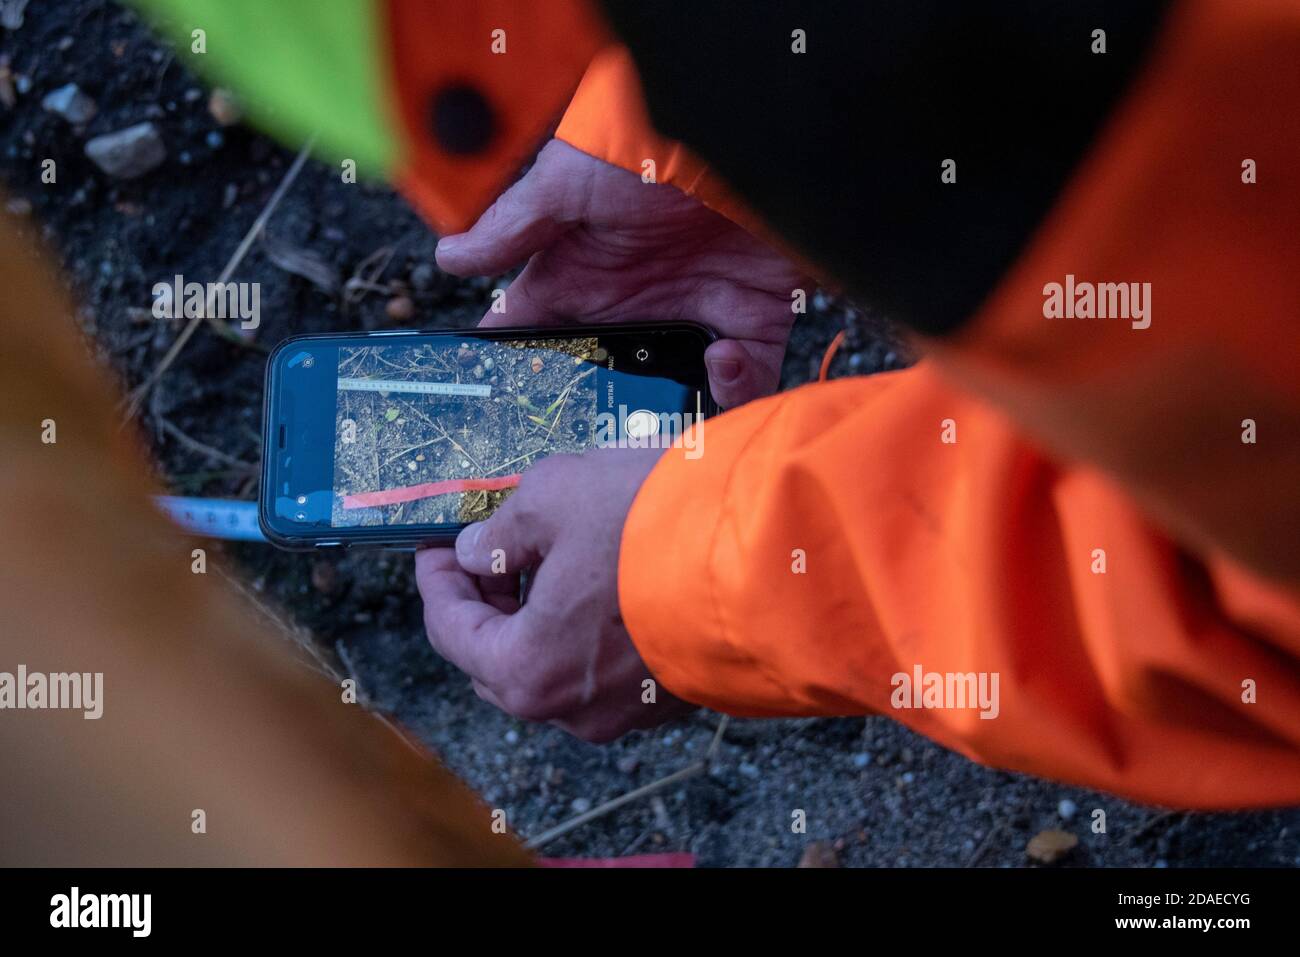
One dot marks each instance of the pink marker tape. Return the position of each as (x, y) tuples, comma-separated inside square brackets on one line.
[(412, 493)]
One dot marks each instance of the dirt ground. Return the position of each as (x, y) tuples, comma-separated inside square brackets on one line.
[(875, 793)]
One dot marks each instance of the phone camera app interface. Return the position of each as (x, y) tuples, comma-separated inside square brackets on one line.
[(440, 433)]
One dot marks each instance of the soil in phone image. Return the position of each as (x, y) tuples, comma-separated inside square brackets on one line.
[(441, 433)]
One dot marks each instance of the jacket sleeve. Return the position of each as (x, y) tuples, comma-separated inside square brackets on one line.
[(607, 119), (831, 543), (1111, 530)]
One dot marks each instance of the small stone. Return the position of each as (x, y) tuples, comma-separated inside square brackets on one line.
[(478, 372), (412, 466), (325, 577), (1067, 809), (423, 276), (464, 463), (128, 153), (488, 363), (819, 854), (215, 139), (536, 364), (400, 308), (581, 805), (466, 356), (628, 764), (1048, 847), (224, 107), (70, 103), (512, 736), (861, 759)]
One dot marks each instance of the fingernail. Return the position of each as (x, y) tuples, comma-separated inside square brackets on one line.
[(467, 540), (724, 371)]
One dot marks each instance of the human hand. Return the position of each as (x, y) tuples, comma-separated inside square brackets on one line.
[(603, 246), (563, 656)]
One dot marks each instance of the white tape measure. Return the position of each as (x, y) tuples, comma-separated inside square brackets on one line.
[(213, 517), (423, 388)]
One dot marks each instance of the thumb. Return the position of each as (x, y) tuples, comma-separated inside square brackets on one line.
[(526, 218), (504, 544), (742, 371)]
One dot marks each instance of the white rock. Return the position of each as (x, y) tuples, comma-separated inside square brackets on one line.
[(70, 103), (128, 153)]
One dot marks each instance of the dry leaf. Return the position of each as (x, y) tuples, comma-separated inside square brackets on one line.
[(301, 262), (1048, 847), (819, 854)]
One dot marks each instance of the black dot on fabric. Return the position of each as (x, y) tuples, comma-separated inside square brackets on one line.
[(463, 122)]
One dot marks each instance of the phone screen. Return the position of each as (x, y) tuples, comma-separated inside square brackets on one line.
[(409, 432)]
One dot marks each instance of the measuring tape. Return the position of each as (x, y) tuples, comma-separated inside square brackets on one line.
[(213, 517), (420, 388)]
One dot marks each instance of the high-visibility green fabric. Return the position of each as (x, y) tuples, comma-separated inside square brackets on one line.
[(299, 67)]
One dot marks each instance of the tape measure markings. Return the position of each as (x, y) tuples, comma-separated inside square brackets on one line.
[(422, 388)]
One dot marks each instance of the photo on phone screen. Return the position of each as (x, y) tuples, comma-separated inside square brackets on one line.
[(404, 438), (442, 431)]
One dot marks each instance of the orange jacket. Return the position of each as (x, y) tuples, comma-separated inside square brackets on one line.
[(1072, 505)]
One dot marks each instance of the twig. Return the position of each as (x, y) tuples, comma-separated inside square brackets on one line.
[(978, 854), (137, 395), (194, 445), (717, 739), (398, 455), (299, 637), (1153, 822), (560, 830), (365, 277), (690, 771)]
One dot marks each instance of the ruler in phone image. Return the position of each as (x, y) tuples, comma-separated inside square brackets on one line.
[(424, 388), (213, 517)]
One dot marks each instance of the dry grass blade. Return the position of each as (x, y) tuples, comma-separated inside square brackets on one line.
[(138, 395), (690, 771), (216, 455)]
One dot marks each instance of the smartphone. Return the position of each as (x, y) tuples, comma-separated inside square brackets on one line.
[(399, 439)]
